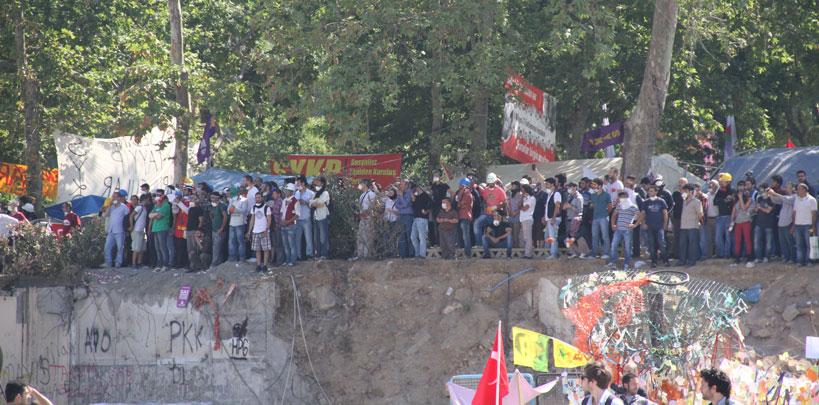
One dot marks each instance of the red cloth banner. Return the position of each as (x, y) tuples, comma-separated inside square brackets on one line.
[(528, 134), (382, 168), (13, 180)]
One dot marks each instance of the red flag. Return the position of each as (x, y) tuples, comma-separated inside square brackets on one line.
[(790, 144), (494, 384)]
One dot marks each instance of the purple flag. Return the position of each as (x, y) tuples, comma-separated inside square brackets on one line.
[(602, 137), (730, 137), (203, 153)]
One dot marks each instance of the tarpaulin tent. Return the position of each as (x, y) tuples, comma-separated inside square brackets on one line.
[(782, 161), (574, 170), (83, 206), (221, 178)]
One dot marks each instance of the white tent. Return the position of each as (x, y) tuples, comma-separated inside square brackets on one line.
[(665, 165)]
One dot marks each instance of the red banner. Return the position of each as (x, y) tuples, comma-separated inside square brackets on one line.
[(13, 180), (528, 122), (383, 168)]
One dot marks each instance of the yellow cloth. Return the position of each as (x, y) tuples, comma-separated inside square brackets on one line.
[(568, 356), (531, 349)]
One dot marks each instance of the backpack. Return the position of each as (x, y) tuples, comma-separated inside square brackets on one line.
[(477, 204)]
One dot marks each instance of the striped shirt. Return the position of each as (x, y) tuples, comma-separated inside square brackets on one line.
[(625, 217)]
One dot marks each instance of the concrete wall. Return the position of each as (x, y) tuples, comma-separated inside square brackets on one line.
[(109, 346)]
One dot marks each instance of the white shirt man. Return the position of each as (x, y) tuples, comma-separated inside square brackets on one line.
[(239, 215), (803, 210)]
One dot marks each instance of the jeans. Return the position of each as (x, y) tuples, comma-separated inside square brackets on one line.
[(117, 239), (218, 239), (689, 247), (304, 227), (625, 237), (405, 238), (290, 243), (161, 247), (276, 238), (802, 240), (170, 245), (723, 236), (786, 244), (420, 228), (480, 224), (526, 237), (551, 232), (600, 230), (466, 234), (323, 228), (710, 230), (765, 234), (236, 243), (506, 242), (656, 241), (703, 243)]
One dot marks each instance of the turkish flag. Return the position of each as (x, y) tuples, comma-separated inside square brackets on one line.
[(494, 384), (790, 144)]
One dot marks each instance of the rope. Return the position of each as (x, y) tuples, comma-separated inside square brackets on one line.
[(304, 338), (292, 352)]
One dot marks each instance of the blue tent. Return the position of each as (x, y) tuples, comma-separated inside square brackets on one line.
[(85, 205), (221, 178), (782, 161)]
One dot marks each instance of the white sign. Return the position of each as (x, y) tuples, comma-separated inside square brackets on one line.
[(90, 166), (811, 347)]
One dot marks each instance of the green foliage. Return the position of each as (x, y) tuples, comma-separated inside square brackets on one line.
[(37, 253), (344, 214), (353, 77)]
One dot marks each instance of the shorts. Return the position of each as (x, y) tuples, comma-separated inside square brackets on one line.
[(137, 241), (261, 242)]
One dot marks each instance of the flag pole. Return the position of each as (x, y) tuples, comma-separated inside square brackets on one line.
[(497, 362)]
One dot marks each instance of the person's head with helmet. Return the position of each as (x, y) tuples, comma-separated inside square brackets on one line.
[(725, 180), (491, 180), (658, 182), (464, 183)]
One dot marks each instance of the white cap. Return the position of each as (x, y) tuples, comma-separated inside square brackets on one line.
[(290, 187), (524, 182), (28, 207), (491, 178)]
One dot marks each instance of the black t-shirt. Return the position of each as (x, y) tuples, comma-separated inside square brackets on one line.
[(724, 201), (766, 220), (422, 202), (678, 205), (438, 194), (194, 213), (497, 231), (666, 196)]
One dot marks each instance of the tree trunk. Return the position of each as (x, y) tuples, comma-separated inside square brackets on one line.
[(579, 125), (182, 95), (435, 137), (480, 115), (28, 78), (644, 123)]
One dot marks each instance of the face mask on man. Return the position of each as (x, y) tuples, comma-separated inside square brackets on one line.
[(445, 206), (436, 179), (684, 196), (214, 204), (496, 222)]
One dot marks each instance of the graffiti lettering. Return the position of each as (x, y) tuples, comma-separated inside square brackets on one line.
[(94, 341), (188, 334)]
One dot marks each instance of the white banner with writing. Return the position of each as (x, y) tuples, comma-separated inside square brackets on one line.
[(91, 166)]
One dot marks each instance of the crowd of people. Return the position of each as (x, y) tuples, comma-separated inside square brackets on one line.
[(596, 381), (602, 218), (195, 227)]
